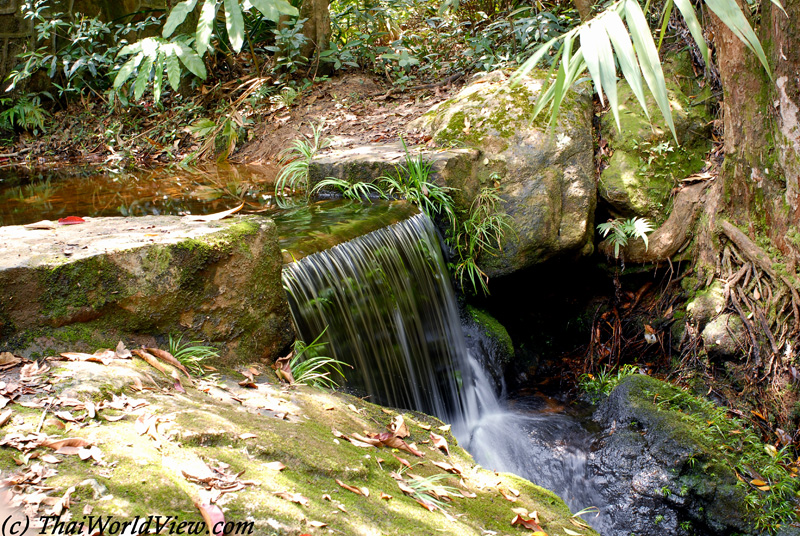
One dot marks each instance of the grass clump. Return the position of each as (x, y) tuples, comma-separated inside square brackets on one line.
[(295, 161), (310, 367), (481, 232), (191, 354), (598, 386), (357, 191)]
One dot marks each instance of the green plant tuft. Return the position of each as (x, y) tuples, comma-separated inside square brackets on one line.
[(309, 367), (623, 230), (191, 354)]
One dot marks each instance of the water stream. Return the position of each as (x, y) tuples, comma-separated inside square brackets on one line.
[(386, 306)]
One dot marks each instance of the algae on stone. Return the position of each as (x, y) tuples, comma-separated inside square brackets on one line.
[(137, 278), (236, 429)]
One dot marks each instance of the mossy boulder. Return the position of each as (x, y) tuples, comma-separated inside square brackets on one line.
[(219, 435), (706, 304), (646, 163), (652, 462), (544, 176), (489, 340), (724, 337), (86, 286)]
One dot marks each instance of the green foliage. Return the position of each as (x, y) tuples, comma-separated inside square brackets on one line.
[(234, 19), (589, 46), (357, 191), (191, 354), (25, 113), (310, 367), (407, 40), (295, 161), (735, 442), (289, 41), (481, 232), (151, 58), (598, 386), (622, 230), (285, 98), (73, 51), (412, 181)]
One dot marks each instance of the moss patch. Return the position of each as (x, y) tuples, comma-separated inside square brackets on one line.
[(198, 431)]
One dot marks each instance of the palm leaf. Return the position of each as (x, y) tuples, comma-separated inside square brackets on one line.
[(731, 15), (618, 34), (686, 9), (649, 60)]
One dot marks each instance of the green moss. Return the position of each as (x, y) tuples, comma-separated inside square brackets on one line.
[(87, 283), (492, 329)]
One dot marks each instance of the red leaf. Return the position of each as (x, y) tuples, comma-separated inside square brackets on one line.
[(212, 515), (71, 220)]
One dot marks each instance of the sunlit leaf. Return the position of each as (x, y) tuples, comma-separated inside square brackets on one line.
[(628, 63), (177, 16), (649, 60), (273, 9), (234, 23), (205, 26), (191, 60), (689, 15), (731, 15)]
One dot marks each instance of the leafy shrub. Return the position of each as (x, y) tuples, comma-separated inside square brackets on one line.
[(310, 367), (85, 49), (295, 161), (25, 112)]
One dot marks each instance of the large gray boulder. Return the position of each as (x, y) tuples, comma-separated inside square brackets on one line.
[(83, 287), (544, 176)]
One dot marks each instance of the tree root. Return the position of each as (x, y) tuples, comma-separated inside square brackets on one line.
[(668, 239)]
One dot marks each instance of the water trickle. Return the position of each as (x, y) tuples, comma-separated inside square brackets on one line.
[(387, 307)]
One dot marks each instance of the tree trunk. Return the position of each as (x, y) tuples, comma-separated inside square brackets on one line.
[(317, 28), (584, 8), (758, 183)]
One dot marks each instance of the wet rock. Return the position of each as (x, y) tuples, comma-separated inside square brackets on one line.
[(140, 278), (489, 341), (646, 163), (660, 475), (724, 336), (545, 176)]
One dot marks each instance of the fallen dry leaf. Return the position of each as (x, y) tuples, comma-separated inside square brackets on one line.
[(527, 523), (507, 495), (293, 497), (5, 417), (440, 443), (355, 490), (247, 436), (169, 359), (57, 444), (275, 466), (398, 427), (213, 217), (151, 360), (385, 496)]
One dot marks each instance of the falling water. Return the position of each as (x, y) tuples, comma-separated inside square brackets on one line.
[(386, 305)]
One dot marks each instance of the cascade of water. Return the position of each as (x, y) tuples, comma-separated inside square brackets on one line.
[(390, 311)]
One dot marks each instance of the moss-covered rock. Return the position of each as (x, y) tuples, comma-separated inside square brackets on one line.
[(489, 340), (725, 336), (221, 430), (658, 458), (646, 163), (706, 304), (545, 176), (86, 286)]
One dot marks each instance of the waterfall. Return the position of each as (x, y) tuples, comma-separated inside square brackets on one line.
[(390, 312), (387, 307)]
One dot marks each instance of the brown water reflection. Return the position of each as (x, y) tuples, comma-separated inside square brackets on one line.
[(26, 197)]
